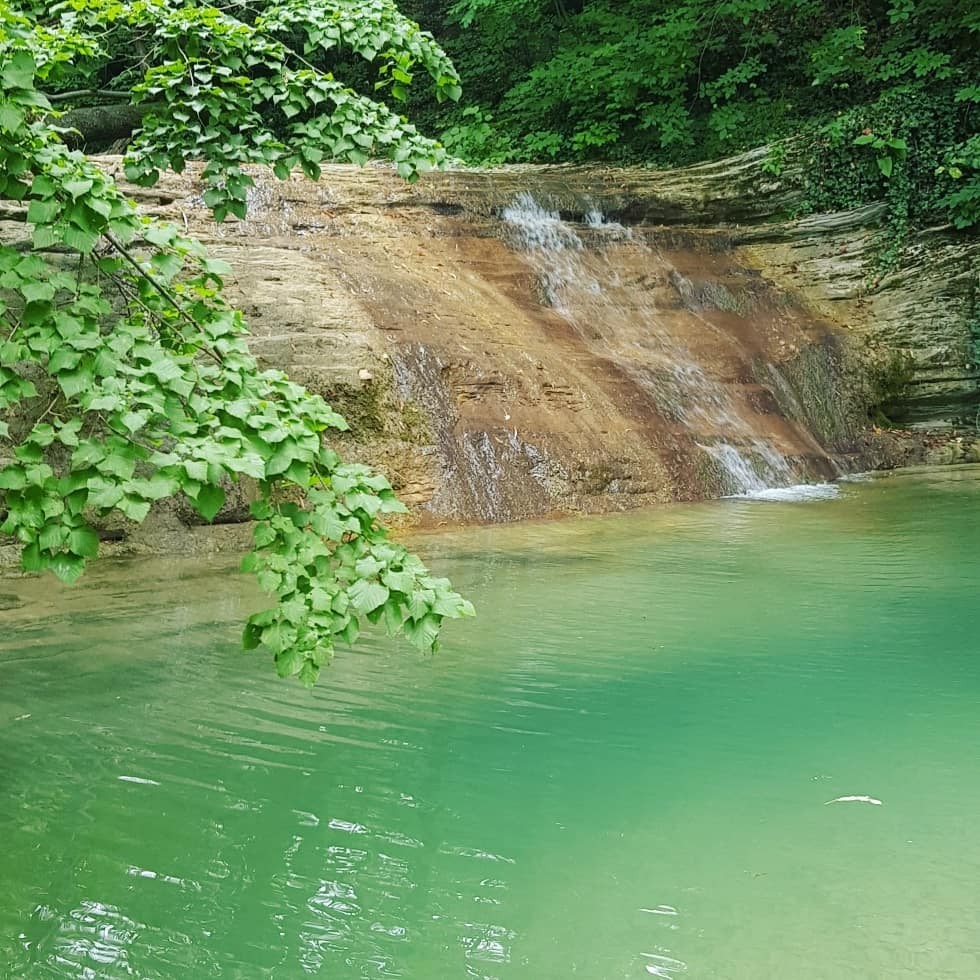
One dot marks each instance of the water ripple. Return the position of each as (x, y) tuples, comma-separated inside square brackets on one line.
[(621, 771)]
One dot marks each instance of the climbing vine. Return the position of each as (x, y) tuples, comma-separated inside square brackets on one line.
[(895, 151)]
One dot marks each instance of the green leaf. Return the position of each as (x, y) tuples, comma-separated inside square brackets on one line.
[(80, 239), (119, 462), (45, 236), (279, 637), (84, 541), (134, 508), (160, 233), (308, 673), (67, 567), (167, 264), (134, 421), (252, 635), (216, 267), (399, 581), (452, 606), (18, 71), (12, 478), (196, 469), (350, 632), (290, 659), (363, 501), (31, 559), (105, 497), (263, 535), (367, 596), (368, 567), (78, 187), (281, 460), (42, 434), (320, 601), (41, 212), (395, 614), (11, 117), (73, 383), (37, 292), (52, 537), (885, 165), (422, 633), (420, 602), (210, 499), (68, 433)]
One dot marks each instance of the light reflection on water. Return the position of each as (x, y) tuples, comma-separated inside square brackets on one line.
[(621, 770)]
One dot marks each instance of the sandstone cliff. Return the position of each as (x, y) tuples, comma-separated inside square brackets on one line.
[(494, 372)]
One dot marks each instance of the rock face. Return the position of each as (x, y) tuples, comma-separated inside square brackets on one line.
[(527, 341), (925, 314)]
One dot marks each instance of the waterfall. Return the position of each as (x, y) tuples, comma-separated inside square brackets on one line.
[(507, 345), (763, 474), (743, 476), (581, 280), (552, 246)]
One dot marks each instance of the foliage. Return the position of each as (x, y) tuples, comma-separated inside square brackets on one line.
[(125, 377), (237, 90), (887, 151), (963, 167), (673, 83), (475, 137)]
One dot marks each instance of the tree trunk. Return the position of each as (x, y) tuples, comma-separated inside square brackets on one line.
[(99, 127)]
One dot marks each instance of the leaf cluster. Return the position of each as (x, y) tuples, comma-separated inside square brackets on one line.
[(249, 84), (126, 378)]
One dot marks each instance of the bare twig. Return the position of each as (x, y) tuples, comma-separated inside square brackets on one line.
[(48, 410), (26, 245)]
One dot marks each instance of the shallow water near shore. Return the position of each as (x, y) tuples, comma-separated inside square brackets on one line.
[(626, 767)]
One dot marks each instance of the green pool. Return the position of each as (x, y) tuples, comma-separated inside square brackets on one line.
[(622, 769)]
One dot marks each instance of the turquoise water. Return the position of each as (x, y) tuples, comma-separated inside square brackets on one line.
[(622, 769)]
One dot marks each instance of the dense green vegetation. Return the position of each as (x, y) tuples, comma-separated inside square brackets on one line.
[(125, 378), (880, 98)]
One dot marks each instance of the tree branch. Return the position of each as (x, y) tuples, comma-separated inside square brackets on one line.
[(103, 125), (160, 288), (82, 93)]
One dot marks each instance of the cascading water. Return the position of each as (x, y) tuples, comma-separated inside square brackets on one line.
[(581, 281), (744, 477), (552, 245)]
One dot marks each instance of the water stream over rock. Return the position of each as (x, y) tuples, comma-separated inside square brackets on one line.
[(584, 282)]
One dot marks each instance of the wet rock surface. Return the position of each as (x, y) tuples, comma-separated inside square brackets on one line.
[(531, 341)]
